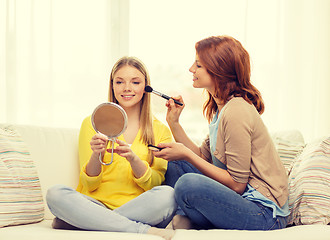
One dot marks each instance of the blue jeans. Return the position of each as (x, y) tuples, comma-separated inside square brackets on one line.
[(209, 204), (152, 208), (175, 169)]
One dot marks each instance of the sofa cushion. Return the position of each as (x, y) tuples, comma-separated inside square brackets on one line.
[(309, 185), (55, 153), (21, 199), (289, 145), (307, 232), (44, 231)]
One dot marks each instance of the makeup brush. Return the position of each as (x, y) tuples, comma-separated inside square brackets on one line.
[(149, 89)]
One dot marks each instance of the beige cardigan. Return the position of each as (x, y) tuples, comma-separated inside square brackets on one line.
[(245, 146)]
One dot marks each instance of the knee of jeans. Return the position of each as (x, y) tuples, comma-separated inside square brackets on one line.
[(166, 196), (187, 181), (54, 194), (166, 191)]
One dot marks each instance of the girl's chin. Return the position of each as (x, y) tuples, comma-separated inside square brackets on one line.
[(196, 85), (127, 105)]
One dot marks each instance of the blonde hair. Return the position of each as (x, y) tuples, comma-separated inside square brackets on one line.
[(147, 133)]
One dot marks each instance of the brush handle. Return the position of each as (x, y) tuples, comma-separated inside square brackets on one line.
[(167, 97), (177, 102)]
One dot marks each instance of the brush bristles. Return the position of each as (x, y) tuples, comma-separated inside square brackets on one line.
[(148, 89)]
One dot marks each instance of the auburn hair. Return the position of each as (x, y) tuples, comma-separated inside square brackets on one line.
[(228, 63), (146, 118)]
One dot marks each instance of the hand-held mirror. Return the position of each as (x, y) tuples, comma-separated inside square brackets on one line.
[(109, 119)]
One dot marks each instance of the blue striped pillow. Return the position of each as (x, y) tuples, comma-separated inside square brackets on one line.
[(21, 199), (309, 185)]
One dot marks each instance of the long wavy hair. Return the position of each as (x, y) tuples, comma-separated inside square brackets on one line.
[(228, 63), (147, 133)]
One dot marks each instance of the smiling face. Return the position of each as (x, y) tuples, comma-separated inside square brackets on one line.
[(128, 86), (201, 78)]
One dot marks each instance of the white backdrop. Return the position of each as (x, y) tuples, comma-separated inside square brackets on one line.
[(56, 56)]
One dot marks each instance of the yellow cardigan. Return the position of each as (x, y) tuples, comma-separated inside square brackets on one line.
[(116, 183)]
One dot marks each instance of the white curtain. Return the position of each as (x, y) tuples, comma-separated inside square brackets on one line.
[(289, 45), (56, 56), (289, 41)]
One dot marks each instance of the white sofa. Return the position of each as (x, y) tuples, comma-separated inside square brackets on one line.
[(55, 153)]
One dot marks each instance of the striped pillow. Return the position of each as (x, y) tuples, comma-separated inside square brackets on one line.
[(309, 185), (21, 199), (288, 152), (289, 145)]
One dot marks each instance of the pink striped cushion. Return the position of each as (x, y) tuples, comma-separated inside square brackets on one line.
[(21, 199), (309, 185)]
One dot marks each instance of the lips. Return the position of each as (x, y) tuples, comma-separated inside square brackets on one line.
[(127, 97)]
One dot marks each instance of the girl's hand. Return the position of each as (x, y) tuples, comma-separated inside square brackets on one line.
[(174, 110), (99, 143), (173, 151), (138, 167), (125, 151)]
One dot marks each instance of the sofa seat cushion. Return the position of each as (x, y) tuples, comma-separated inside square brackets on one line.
[(43, 230), (307, 232)]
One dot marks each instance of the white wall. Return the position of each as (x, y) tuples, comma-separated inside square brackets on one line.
[(57, 56), (288, 42)]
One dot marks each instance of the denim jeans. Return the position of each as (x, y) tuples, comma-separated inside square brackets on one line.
[(175, 169), (209, 204), (152, 208)]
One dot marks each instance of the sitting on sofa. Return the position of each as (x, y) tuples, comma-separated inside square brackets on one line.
[(35, 158)]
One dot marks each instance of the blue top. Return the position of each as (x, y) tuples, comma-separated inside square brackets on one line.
[(250, 193), (213, 130)]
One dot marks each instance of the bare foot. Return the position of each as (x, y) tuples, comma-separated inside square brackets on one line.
[(181, 222), (167, 234), (170, 225)]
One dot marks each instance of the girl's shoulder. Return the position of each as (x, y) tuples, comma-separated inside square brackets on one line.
[(159, 127), (157, 123), (238, 102), (239, 110), (87, 122), (239, 106)]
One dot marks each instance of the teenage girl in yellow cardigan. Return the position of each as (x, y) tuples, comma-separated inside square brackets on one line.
[(124, 196)]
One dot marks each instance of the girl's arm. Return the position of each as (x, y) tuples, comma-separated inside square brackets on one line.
[(172, 118), (139, 168), (175, 151), (236, 126), (91, 169), (98, 145), (90, 146), (218, 174)]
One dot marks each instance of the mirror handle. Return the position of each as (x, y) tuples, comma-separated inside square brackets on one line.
[(100, 156)]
